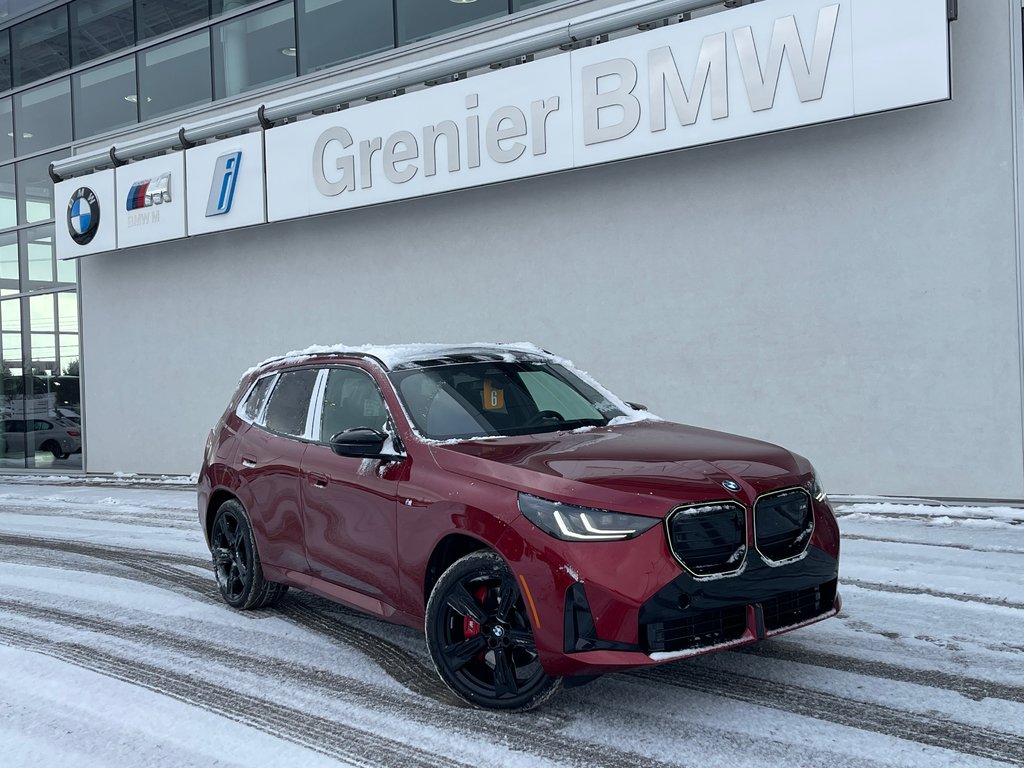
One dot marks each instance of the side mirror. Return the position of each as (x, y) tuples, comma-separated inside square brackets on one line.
[(636, 406), (359, 442)]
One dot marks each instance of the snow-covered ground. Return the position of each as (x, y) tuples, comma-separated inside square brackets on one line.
[(115, 649)]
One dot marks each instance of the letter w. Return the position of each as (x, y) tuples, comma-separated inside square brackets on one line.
[(809, 78), (662, 73)]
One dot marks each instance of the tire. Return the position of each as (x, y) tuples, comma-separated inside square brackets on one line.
[(236, 561), (53, 447), (479, 636)]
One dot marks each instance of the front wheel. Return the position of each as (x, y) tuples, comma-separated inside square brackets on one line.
[(480, 639), (236, 562)]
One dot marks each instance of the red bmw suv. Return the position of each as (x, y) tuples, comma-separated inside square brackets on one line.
[(540, 529)]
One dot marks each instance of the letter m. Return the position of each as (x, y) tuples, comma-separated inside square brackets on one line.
[(808, 77), (664, 75)]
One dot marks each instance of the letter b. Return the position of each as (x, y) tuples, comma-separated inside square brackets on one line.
[(622, 97)]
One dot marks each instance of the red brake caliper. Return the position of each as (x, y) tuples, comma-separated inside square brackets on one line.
[(470, 627)]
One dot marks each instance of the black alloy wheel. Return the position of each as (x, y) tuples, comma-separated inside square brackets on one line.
[(479, 636), (236, 562)]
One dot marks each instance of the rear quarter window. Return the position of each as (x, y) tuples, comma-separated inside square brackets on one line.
[(257, 397)]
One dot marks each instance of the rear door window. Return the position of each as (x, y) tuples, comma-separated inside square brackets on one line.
[(257, 397), (288, 407)]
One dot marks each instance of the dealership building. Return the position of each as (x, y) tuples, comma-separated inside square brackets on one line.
[(797, 220)]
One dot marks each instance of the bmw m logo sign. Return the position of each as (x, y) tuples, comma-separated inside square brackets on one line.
[(149, 192), (83, 215)]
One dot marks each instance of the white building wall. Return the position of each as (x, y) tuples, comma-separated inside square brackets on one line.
[(849, 291)]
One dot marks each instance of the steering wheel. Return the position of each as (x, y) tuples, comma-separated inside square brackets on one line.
[(540, 416)]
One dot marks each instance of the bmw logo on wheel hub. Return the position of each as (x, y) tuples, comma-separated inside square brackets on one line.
[(83, 215)]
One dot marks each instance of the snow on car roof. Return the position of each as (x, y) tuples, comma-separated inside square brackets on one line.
[(395, 355)]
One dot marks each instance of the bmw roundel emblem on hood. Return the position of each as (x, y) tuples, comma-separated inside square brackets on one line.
[(731, 485)]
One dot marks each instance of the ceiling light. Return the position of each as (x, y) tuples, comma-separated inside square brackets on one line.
[(462, 2), (131, 98), (289, 51), (24, 135)]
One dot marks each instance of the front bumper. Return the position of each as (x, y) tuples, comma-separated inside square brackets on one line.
[(606, 606)]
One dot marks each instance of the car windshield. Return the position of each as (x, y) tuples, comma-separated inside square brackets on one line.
[(497, 398)]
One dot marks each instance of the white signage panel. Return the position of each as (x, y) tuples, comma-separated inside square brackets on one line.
[(225, 184), (765, 67), (85, 215), (504, 125), (151, 200), (758, 69)]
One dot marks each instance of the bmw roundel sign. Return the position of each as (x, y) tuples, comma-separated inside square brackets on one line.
[(83, 215)]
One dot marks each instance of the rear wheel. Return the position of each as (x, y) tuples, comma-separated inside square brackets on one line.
[(480, 639), (236, 562)]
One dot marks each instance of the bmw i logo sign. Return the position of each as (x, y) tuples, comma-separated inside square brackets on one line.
[(731, 485), (83, 215)]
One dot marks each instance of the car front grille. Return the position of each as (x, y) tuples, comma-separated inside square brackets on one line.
[(783, 523), (702, 630), (791, 608), (708, 539)]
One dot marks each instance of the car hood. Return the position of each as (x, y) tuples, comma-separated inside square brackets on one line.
[(645, 467)]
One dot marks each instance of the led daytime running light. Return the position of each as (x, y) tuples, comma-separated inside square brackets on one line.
[(592, 532)]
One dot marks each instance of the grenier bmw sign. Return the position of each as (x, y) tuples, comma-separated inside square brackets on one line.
[(764, 67)]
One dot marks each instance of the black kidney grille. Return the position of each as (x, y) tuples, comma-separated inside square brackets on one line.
[(710, 538), (783, 523)]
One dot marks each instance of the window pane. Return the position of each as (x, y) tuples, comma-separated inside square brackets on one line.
[(226, 6), (9, 263), (417, 19), (35, 188), (175, 75), (67, 312), (99, 27), (37, 245), (351, 399), (67, 272), (254, 50), (43, 117), (40, 46), (42, 318), (11, 350), (289, 404), (104, 97), (10, 315), (6, 129), (333, 31), (8, 208), (69, 354), (522, 5), (157, 17), (5, 60)]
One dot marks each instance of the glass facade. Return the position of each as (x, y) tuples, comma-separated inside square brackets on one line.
[(91, 67)]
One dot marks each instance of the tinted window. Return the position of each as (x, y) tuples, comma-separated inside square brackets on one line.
[(43, 117), (289, 404), (351, 399), (254, 50), (40, 46), (175, 75), (104, 97), (417, 19), (332, 31), (99, 27), (256, 399), (155, 17)]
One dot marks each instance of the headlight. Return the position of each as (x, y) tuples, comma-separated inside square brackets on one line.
[(571, 523)]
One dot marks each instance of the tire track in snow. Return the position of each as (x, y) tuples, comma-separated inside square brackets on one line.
[(941, 545), (314, 732), (532, 733), (903, 724), (901, 590), (972, 688)]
